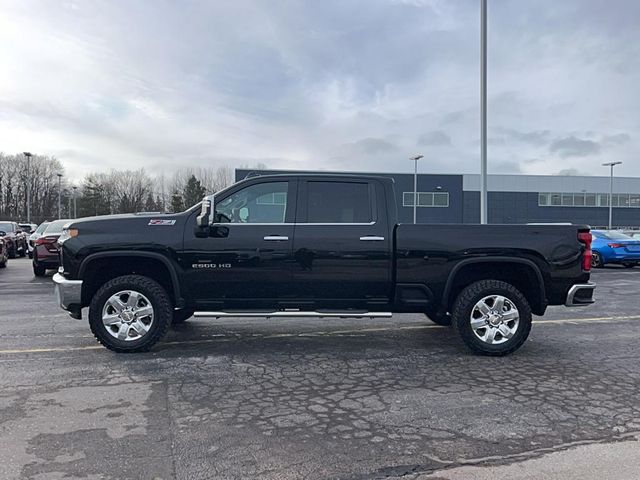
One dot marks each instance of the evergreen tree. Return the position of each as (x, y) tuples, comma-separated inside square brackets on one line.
[(193, 191), (150, 204), (177, 202)]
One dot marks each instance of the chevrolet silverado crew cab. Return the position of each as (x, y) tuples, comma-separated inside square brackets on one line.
[(316, 245)]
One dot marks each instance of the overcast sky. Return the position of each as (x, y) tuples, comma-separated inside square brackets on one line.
[(347, 85)]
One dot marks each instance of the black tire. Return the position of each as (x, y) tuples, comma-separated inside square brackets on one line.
[(30, 254), (39, 270), (159, 299), (3, 264), (629, 265), (596, 260), (11, 252), (465, 303), (439, 318), (181, 316), (23, 253)]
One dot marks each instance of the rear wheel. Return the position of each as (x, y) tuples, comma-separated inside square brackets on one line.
[(629, 265), (3, 262), (492, 317), (596, 260), (39, 270), (11, 252), (23, 252), (130, 313)]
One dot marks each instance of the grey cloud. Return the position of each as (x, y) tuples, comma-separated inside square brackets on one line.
[(435, 138), (371, 146), (617, 139), (574, 147), (536, 138), (506, 167), (574, 172)]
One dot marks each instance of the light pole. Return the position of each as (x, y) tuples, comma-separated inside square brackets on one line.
[(483, 111), (415, 158), (28, 155), (611, 164), (59, 194), (75, 205)]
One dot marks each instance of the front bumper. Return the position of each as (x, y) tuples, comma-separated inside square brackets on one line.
[(581, 295), (68, 293)]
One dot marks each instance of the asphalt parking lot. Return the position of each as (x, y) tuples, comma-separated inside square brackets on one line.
[(347, 399)]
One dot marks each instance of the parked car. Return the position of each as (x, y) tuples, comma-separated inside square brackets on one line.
[(14, 239), (35, 236), (28, 228), (633, 233), (3, 254), (316, 245), (610, 246), (45, 254)]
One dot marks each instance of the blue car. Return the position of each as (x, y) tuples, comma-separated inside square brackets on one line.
[(610, 246)]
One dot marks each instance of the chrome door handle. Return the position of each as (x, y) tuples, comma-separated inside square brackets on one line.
[(371, 238), (276, 238)]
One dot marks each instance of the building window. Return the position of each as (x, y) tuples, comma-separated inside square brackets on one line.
[(426, 199), (623, 200)]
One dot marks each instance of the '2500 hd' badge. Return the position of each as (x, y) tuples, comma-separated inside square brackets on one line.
[(158, 221)]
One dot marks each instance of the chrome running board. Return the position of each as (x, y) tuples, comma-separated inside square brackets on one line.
[(291, 314)]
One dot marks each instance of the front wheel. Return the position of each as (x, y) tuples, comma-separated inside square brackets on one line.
[(492, 317), (130, 313)]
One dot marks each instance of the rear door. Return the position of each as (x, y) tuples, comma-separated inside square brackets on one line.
[(341, 248)]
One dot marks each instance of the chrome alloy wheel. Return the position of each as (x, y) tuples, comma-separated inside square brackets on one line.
[(494, 319), (127, 315)]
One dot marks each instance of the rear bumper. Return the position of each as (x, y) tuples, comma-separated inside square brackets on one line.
[(68, 293), (581, 295)]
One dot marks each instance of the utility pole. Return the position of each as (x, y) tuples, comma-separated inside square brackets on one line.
[(59, 195), (611, 164), (28, 155), (415, 187)]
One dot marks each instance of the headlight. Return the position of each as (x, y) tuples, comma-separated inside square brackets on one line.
[(67, 233)]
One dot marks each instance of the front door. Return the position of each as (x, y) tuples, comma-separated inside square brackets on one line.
[(342, 248), (246, 261)]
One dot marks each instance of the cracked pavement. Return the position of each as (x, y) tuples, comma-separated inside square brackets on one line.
[(300, 398)]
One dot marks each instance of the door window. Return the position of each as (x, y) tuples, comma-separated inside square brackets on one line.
[(338, 202), (259, 203)]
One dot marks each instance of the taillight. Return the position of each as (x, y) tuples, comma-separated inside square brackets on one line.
[(615, 245), (48, 242), (585, 238)]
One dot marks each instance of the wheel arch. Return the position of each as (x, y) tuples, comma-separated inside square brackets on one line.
[(525, 274), (101, 267)]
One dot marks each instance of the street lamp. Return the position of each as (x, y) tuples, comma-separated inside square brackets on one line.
[(415, 158), (59, 193), (75, 205), (28, 155), (483, 111), (611, 164)]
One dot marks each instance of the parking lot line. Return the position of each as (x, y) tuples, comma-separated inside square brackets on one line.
[(321, 333)]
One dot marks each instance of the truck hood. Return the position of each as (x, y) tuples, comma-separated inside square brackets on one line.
[(127, 222)]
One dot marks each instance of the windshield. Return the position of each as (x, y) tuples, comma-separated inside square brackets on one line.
[(55, 228), (612, 235), (6, 227), (42, 227)]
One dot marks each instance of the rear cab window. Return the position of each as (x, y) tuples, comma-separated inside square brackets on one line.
[(338, 202)]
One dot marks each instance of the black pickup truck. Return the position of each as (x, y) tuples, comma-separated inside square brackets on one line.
[(316, 245)]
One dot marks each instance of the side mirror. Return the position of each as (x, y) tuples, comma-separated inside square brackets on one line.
[(2, 233), (204, 219)]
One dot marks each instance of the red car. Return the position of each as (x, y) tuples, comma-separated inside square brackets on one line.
[(45, 252)]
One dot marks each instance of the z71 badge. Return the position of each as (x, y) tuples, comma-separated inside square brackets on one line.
[(157, 221)]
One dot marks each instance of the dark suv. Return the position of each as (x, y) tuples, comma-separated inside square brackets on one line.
[(14, 240)]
